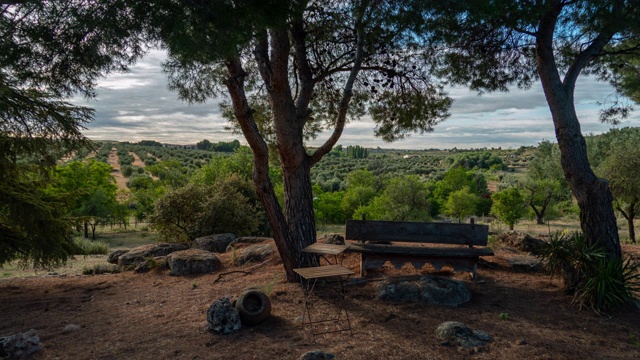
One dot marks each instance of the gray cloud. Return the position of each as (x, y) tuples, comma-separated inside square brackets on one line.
[(138, 105)]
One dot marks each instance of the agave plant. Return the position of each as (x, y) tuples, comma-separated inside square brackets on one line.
[(596, 280)]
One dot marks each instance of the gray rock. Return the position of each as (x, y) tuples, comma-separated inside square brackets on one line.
[(335, 239), (69, 328), (158, 262), (113, 257), (525, 263), (215, 243), (192, 261), (430, 290), (443, 292), (255, 253), (19, 346), (98, 269), (141, 253), (317, 355), (248, 240), (222, 317), (399, 292), (521, 241), (458, 334)]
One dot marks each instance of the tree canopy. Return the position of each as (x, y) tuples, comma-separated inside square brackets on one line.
[(292, 68), (51, 49), (494, 45)]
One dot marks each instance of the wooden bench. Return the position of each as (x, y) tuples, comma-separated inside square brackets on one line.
[(459, 253)]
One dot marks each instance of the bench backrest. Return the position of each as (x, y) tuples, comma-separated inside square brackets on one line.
[(437, 233)]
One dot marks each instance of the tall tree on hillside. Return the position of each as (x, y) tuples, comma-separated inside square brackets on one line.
[(545, 183), (622, 169), (315, 64), (496, 44), (50, 49)]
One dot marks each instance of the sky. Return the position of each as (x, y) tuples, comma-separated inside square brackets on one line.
[(138, 105)]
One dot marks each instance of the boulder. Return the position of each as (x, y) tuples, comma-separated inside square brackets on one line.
[(158, 262), (443, 292), (247, 240), (458, 334), (113, 257), (525, 263), (19, 346), (429, 290), (255, 253), (222, 317), (215, 243), (317, 355), (521, 241), (399, 292), (335, 239), (192, 261), (141, 253)]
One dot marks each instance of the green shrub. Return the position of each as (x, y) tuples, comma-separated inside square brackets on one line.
[(597, 281), (90, 247)]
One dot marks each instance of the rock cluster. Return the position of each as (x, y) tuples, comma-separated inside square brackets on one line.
[(222, 317), (19, 346)]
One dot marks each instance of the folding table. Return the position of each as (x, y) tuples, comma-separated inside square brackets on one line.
[(335, 277)]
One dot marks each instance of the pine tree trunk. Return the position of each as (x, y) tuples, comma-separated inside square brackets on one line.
[(597, 219)]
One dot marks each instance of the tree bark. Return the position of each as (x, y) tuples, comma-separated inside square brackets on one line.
[(289, 245), (597, 219)]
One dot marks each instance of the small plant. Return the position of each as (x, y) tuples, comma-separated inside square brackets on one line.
[(194, 285), (90, 247), (504, 316), (268, 288), (633, 340), (234, 255)]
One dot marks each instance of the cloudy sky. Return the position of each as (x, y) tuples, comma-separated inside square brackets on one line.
[(138, 106)]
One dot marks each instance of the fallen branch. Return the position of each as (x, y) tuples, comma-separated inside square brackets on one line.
[(245, 272)]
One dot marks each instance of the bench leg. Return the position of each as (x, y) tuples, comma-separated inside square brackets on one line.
[(363, 272)]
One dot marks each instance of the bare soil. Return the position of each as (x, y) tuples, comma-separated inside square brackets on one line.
[(156, 316)]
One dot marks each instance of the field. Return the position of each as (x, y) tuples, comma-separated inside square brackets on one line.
[(153, 315)]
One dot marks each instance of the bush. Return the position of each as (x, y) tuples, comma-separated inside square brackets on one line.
[(597, 281), (91, 247), (192, 211), (127, 170)]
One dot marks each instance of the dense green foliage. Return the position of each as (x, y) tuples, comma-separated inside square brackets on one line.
[(193, 211), (50, 50), (508, 206)]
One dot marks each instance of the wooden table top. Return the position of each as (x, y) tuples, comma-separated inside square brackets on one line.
[(323, 271), (327, 249)]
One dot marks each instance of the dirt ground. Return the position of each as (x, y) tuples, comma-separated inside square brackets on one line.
[(156, 316)]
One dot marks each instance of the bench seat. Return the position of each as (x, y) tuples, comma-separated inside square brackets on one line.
[(459, 251)]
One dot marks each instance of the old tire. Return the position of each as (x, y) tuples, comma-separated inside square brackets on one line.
[(254, 306)]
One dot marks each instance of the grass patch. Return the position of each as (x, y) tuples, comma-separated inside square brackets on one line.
[(91, 247)]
